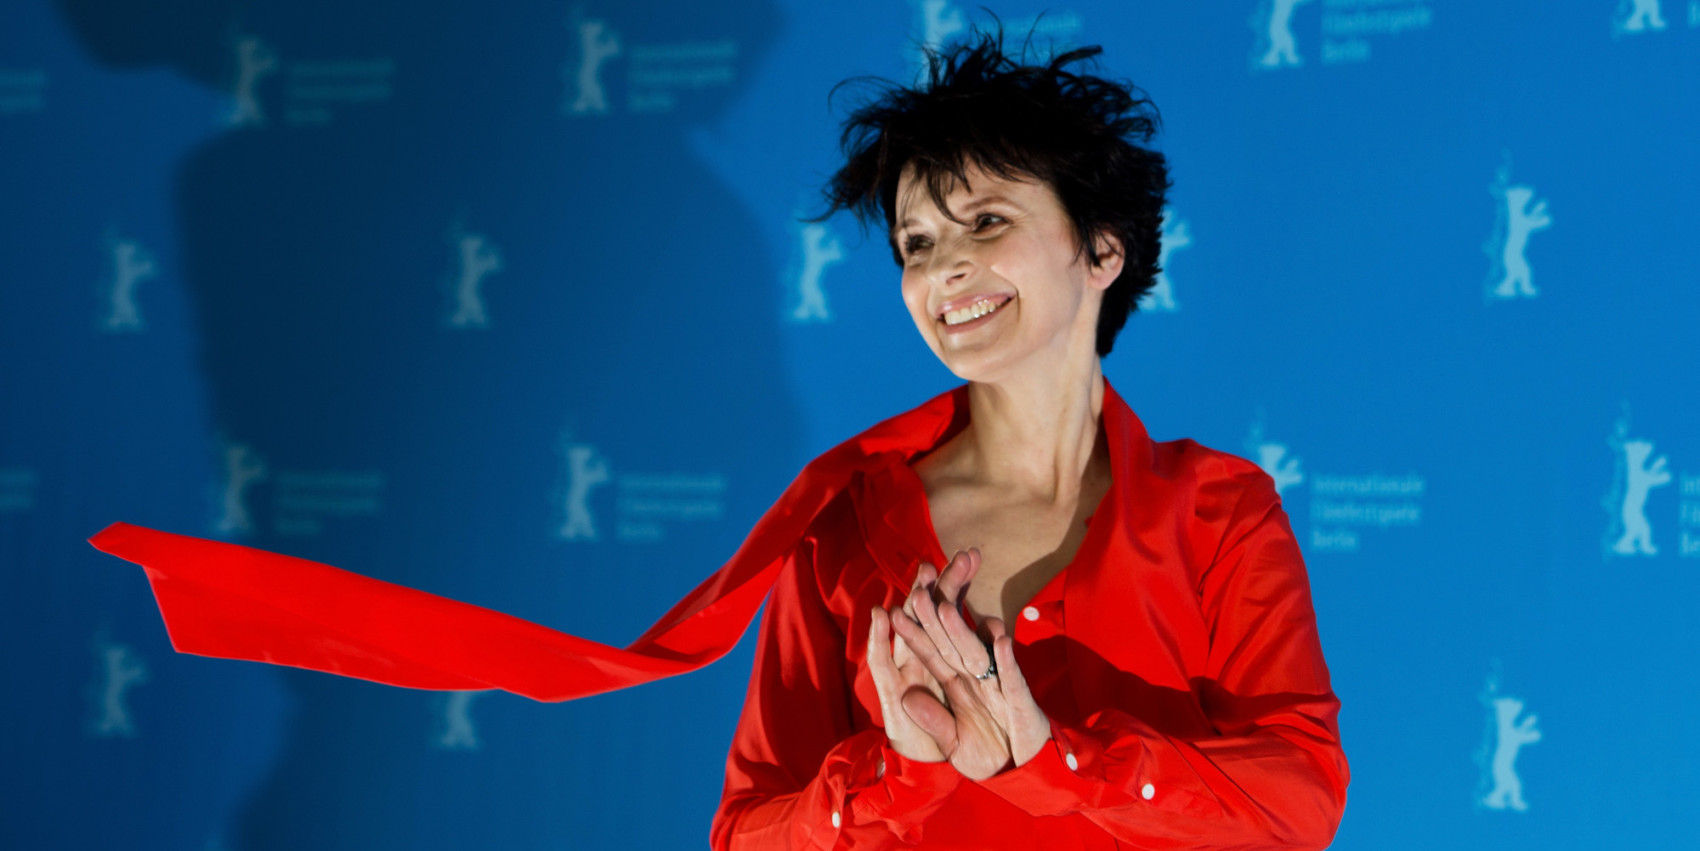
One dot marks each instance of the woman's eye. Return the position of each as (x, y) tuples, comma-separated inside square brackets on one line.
[(914, 244), (986, 220)]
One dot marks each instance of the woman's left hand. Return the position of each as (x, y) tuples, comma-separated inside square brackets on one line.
[(989, 723)]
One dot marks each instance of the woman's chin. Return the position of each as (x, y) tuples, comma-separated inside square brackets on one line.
[(981, 364)]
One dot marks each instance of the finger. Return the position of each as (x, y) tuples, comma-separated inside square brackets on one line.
[(932, 717), (1010, 679), (950, 579), (995, 695), (906, 656), (975, 657), (925, 577), (928, 614), (900, 650), (923, 648), (903, 658), (900, 615), (880, 666), (957, 574)]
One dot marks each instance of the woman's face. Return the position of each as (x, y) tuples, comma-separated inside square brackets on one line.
[(1005, 288)]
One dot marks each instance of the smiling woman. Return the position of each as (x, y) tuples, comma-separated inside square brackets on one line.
[(1122, 648)]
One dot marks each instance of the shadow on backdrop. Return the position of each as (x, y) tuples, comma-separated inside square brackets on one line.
[(625, 307)]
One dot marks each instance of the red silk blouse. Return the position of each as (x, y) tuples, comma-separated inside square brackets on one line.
[(1177, 656)]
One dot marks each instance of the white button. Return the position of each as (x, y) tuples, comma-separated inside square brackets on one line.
[(836, 819), (1073, 764), (1147, 791), (1030, 613)]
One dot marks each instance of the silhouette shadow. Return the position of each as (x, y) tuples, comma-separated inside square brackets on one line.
[(634, 310)]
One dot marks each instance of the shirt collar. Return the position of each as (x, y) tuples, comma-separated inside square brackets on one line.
[(891, 504)]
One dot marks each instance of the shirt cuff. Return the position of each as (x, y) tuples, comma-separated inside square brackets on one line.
[(1065, 776), (909, 791)]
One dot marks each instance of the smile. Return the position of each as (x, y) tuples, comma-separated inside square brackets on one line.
[(969, 313)]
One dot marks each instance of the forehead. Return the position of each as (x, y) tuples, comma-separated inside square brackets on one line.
[(914, 195)]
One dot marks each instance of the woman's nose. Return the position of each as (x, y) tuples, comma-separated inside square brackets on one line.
[(949, 265)]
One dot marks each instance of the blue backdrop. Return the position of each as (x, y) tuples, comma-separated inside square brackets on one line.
[(512, 304)]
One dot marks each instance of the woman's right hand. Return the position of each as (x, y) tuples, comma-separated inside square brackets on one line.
[(896, 669), (896, 672)]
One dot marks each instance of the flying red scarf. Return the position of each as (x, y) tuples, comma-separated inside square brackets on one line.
[(236, 602)]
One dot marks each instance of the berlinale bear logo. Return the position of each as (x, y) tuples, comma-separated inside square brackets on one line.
[(939, 21), (1506, 736), (253, 61), (1513, 735), (1276, 47), (241, 468), (597, 44), (1636, 474), (820, 250), (128, 265), (457, 733), (1634, 16), (1274, 458), (119, 670), (1176, 235), (584, 470), (1519, 216), (475, 258)]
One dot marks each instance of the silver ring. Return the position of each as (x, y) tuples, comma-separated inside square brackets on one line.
[(991, 671)]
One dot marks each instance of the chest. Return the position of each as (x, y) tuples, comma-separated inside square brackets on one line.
[(1126, 629), (1023, 545)]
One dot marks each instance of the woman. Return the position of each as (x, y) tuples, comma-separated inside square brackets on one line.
[(1122, 650), (1151, 678)]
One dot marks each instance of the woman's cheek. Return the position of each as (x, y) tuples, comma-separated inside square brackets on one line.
[(914, 295)]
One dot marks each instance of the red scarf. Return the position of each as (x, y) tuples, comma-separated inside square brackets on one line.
[(236, 602)]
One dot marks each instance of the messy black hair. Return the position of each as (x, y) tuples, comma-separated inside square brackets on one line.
[(977, 105)]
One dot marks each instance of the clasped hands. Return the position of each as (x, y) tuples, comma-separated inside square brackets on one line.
[(926, 663)]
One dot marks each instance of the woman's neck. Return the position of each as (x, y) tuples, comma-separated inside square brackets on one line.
[(1036, 433)]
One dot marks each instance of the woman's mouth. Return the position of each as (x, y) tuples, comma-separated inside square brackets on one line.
[(975, 313)]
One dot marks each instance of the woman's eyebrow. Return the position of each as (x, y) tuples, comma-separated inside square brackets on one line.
[(986, 201)]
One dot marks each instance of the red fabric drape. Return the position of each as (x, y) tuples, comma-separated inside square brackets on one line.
[(1195, 710), (235, 602)]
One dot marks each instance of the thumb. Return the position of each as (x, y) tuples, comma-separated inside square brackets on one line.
[(932, 717)]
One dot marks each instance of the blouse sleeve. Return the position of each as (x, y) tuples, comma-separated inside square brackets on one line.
[(798, 776), (1274, 776)]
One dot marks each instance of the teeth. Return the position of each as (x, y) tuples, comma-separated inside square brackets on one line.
[(972, 311)]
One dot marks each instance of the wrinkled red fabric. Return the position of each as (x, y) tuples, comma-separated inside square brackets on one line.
[(236, 602), (1176, 656), (1192, 708)]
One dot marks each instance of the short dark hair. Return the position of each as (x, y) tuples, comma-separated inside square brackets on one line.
[(979, 106)]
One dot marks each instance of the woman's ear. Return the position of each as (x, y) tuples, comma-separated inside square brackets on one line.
[(1102, 274)]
